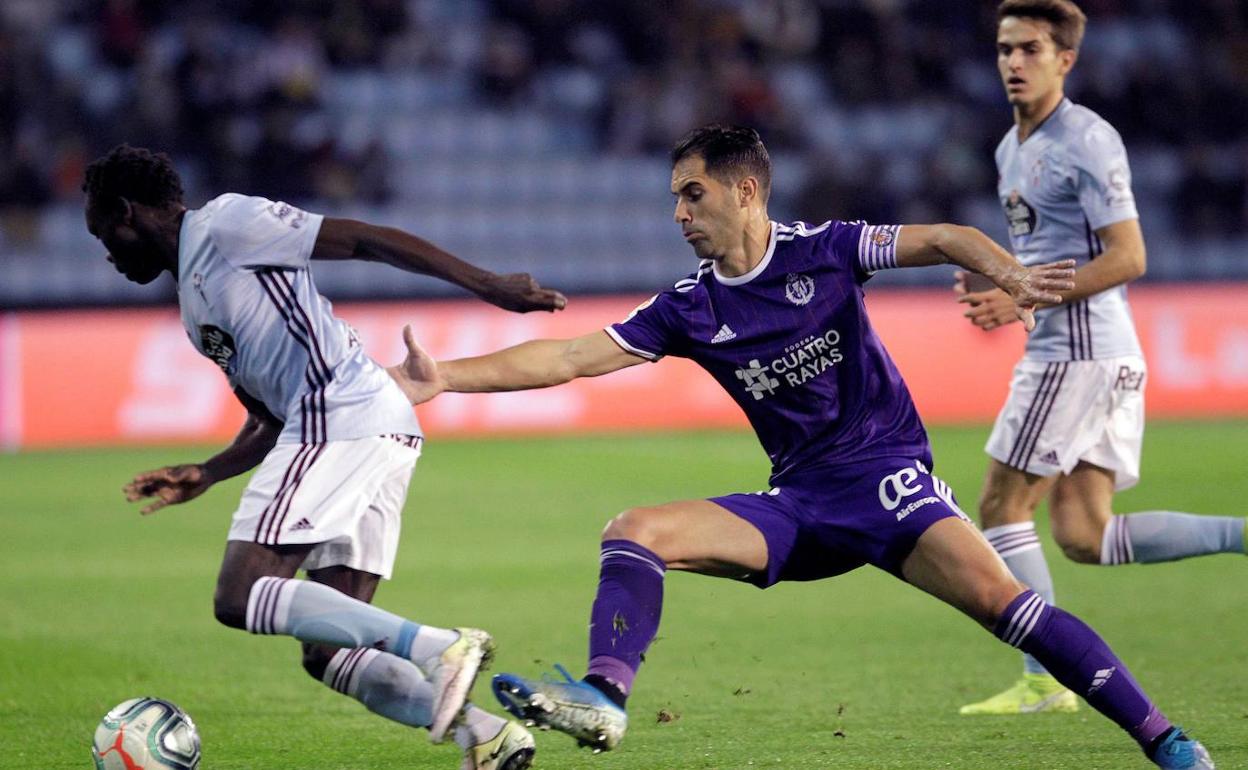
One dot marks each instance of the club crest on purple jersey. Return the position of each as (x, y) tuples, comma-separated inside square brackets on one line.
[(799, 288)]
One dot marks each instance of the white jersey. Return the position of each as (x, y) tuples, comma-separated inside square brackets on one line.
[(1069, 179), (248, 302)]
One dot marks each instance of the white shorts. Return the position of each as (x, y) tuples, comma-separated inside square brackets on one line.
[(1060, 413), (345, 496)]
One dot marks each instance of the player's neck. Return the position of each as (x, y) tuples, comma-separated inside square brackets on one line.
[(1028, 117), (170, 235), (754, 242)]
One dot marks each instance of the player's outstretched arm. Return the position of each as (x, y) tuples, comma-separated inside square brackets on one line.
[(352, 239), (968, 248), (180, 483), (1122, 260), (529, 365)]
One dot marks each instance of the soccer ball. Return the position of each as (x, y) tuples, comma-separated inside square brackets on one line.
[(146, 734)]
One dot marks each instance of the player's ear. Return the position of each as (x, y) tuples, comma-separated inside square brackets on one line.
[(127, 212), (747, 191), (1066, 61)]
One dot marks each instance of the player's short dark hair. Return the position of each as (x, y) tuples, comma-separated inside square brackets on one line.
[(134, 173), (731, 153), (1063, 16)]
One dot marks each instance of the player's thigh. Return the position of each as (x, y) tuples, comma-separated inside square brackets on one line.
[(1010, 495), (694, 535), (243, 564), (1079, 508), (953, 562)]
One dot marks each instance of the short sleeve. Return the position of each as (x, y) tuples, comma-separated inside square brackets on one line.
[(863, 247), (1103, 177), (258, 232), (650, 331)]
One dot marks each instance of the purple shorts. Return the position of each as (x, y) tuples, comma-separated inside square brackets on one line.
[(827, 521)]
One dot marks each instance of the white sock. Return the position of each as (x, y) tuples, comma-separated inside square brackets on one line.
[(313, 612), (477, 726), (1019, 547), (386, 684), (1155, 536)]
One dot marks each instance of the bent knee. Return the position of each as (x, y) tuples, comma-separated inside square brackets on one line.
[(229, 605), (1083, 550), (642, 526), (316, 659)]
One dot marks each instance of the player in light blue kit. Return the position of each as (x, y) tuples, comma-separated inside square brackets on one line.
[(775, 314), (334, 438), (1073, 425)]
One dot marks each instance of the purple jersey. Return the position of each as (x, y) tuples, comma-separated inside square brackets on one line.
[(791, 343)]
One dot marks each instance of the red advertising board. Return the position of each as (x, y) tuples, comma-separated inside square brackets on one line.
[(130, 376)]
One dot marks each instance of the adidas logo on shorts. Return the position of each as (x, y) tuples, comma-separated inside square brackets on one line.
[(299, 525), (1050, 457)]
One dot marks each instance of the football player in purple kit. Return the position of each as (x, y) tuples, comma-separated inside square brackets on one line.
[(775, 314)]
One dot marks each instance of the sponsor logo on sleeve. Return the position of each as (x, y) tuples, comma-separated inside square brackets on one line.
[(288, 214), (218, 345), (640, 308)]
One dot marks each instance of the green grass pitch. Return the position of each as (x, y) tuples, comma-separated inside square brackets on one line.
[(99, 604)]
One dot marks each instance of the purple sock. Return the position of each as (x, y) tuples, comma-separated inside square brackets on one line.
[(1079, 659), (626, 611)]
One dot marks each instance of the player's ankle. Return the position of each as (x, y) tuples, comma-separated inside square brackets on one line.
[(608, 687)]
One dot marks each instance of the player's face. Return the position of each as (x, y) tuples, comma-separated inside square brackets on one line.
[(132, 254), (709, 212), (1029, 61)]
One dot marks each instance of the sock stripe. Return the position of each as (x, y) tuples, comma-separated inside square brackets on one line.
[(1023, 620), (1012, 539), (262, 604), (342, 683), (334, 670), (614, 554)]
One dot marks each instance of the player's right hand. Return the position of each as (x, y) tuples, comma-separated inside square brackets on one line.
[(169, 485), (519, 292), (418, 375)]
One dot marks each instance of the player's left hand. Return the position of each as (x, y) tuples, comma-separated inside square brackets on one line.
[(169, 485), (519, 292), (989, 309)]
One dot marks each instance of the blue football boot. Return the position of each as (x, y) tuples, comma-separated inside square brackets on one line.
[(576, 708), (1179, 752)]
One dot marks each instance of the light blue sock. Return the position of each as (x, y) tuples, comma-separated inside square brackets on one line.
[(394, 688), (386, 684), (313, 612), (1157, 536), (1019, 547)]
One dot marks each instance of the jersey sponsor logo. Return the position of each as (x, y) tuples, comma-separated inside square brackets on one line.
[(1119, 193), (724, 334), (288, 214), (800, 363), (799, 288), (218, 345), (757, 381), (1019, 213)]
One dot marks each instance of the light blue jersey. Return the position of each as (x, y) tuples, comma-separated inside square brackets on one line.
[(248, 302), (1069, 179)]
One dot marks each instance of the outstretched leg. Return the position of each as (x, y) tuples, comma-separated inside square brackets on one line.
[(1088, 531), (953, 562), (255, 591), (638, 547)]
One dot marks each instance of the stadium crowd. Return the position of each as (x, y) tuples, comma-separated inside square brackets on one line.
[(887, 110)]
